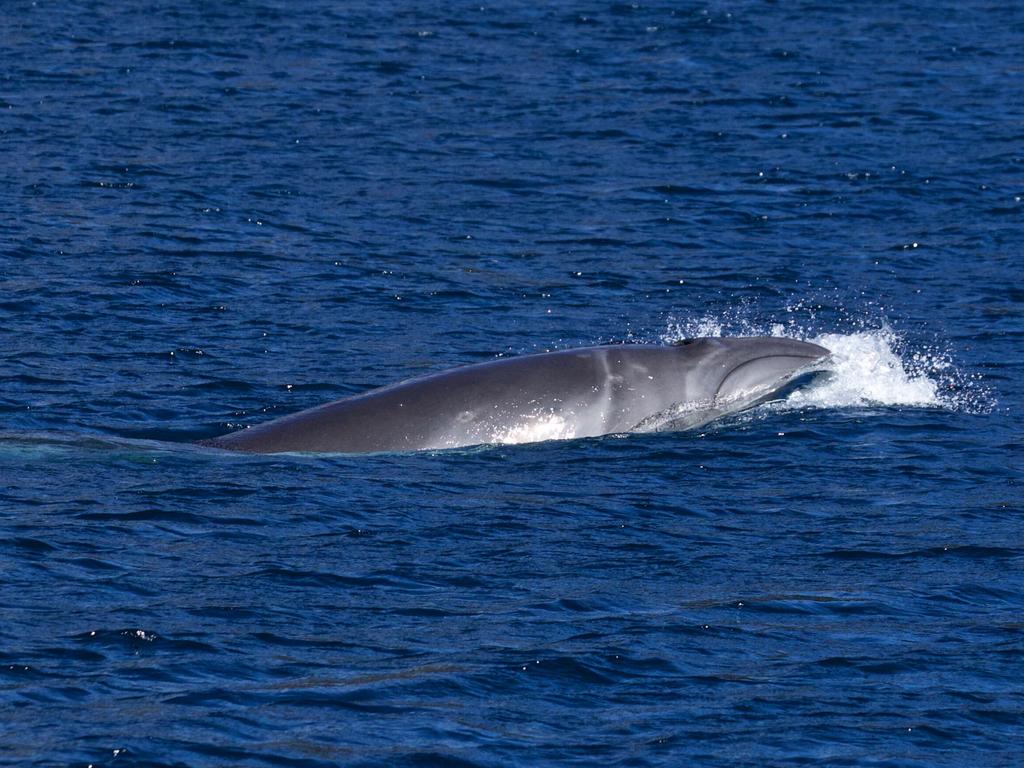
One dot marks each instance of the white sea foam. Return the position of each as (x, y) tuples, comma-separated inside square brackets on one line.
[(865, 369)]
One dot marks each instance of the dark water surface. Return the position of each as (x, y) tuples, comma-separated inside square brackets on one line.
[(214, 213)]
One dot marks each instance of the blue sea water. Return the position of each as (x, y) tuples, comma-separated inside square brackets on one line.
[(216, 213)]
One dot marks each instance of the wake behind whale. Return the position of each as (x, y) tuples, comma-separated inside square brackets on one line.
[(570, 393)]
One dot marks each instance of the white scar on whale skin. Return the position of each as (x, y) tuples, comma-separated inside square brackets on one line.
[(560, 395)]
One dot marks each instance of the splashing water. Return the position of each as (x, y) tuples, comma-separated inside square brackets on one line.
[(551, 427), (866, 370)]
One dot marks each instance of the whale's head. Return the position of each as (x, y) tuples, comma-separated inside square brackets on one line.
[(742, 369), (724, 375)]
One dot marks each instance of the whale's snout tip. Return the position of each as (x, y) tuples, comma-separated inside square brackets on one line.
[(795, 348), (817, 352)]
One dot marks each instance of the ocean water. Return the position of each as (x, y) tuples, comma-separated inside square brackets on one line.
[(214, 214)]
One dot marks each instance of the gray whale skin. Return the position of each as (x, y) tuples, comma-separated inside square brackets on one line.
[(570, 393)]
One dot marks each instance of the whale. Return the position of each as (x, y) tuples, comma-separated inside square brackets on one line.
[(568, 393)]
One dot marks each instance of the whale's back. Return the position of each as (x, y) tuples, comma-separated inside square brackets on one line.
[(569, 393)]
